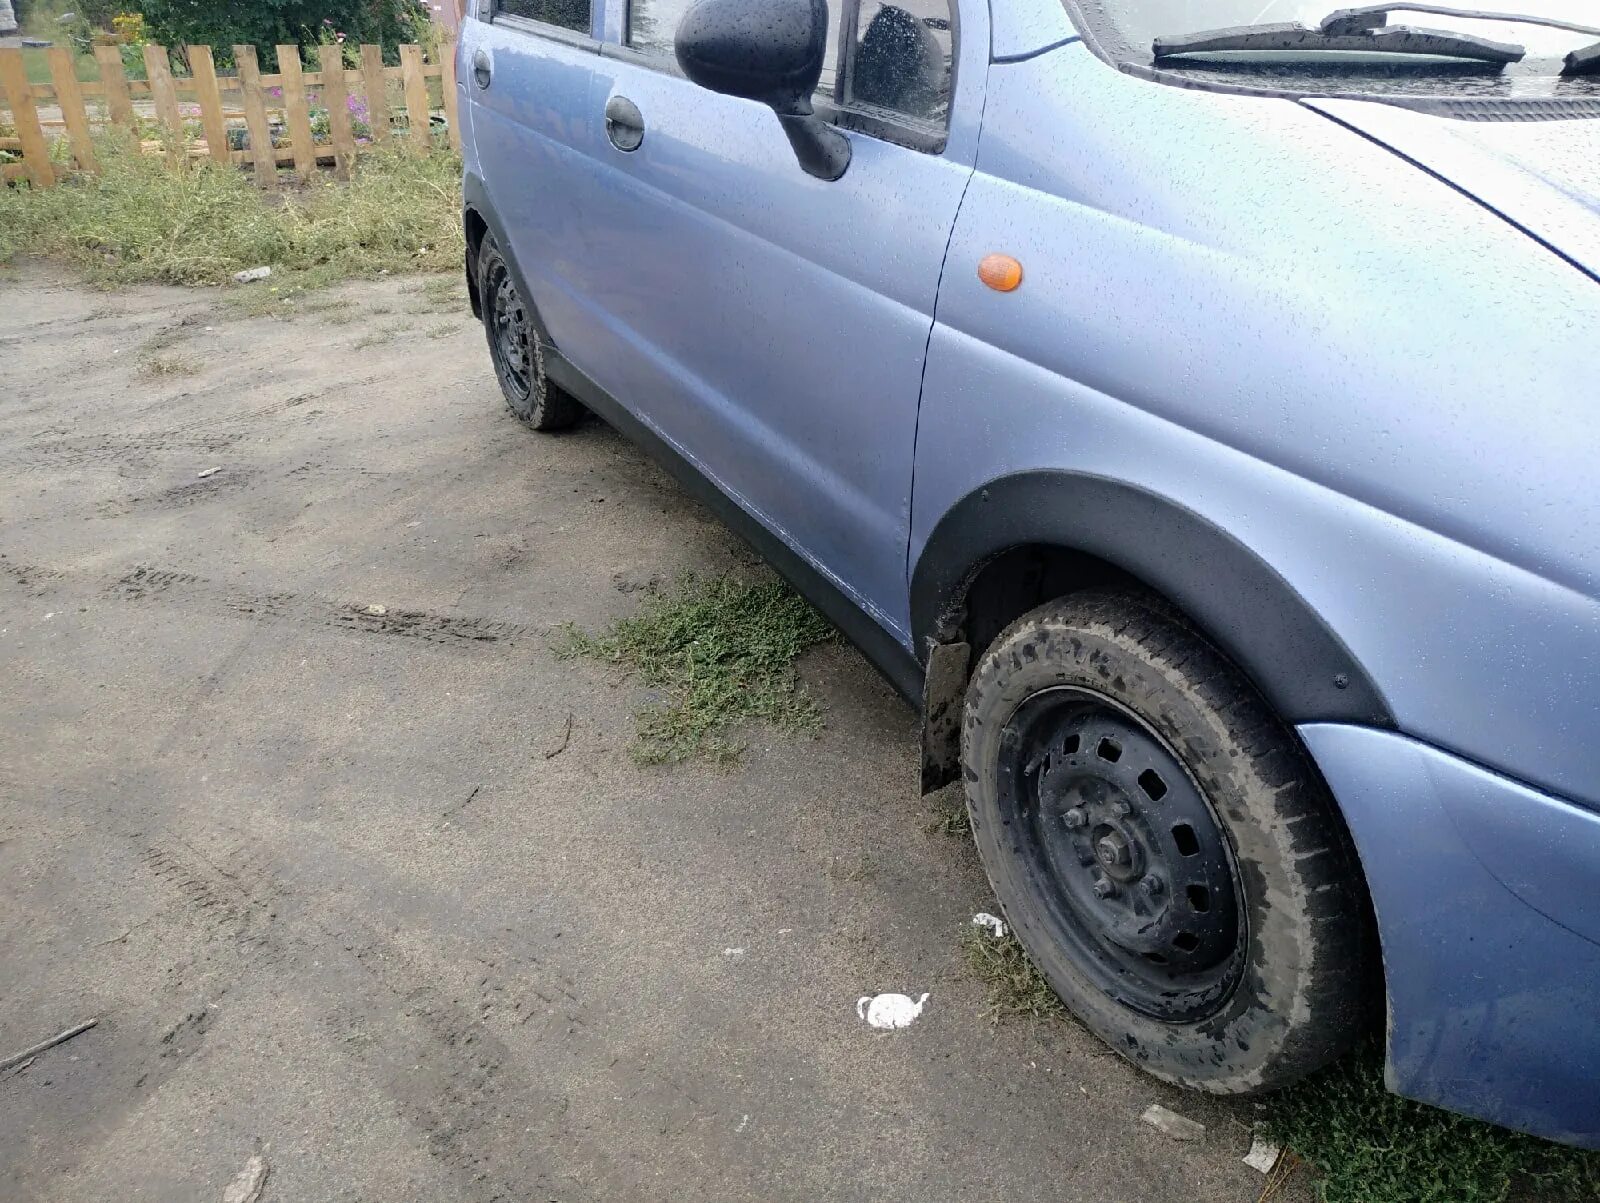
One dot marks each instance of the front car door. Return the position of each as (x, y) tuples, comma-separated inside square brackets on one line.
[(772, 326)]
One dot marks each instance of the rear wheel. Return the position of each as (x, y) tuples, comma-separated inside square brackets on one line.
[(1162, 847), (516, 350)]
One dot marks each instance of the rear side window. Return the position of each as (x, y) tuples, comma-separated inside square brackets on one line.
[(652, 24), (568, 14), (901, 59)]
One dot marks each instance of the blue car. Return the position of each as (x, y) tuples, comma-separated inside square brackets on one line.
[(1192, 408)]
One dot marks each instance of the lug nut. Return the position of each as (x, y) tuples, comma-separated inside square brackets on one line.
[(1120, 808), (1152, 886), (1075, 817), (1103, 887)]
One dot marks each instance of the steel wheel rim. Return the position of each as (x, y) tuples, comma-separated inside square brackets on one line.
[(1137, 876), (512, 332)]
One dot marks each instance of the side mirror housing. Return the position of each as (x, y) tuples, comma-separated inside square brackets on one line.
[(769, 51)]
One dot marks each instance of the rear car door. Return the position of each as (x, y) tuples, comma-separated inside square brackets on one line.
[(770, 325), (526, 66)]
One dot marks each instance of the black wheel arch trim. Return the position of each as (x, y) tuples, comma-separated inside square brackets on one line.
[(898, 666), (1229, 592)]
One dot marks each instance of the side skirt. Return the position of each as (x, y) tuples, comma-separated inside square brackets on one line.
[(897, 665)]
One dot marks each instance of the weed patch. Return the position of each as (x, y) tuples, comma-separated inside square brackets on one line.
[(722, 653), (169, 365), (1016, 989), (142, 220), (949, 815)]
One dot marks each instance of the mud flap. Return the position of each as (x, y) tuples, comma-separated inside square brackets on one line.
[(944, 689)]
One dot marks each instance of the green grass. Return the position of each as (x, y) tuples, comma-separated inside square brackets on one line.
[(1015, 988), (1369, 1146), (39, 21), (721, 651), (37, 64), (141, 220), (949, 816), (1361, 1143)]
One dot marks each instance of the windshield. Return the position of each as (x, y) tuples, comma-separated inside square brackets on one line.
[(1126, 29)]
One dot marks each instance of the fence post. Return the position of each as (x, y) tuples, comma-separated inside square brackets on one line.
[(447, 83), (114, 85), (159, 72), (335, 95), (35, 151), (207, 93), (295, 115), (69, 97), (416, 88), (255, 116), (377, 88)]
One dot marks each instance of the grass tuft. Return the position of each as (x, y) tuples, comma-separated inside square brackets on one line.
[(949, 816), (142, 220), (1369, 1146), (722, 651), (169, 365), (1016, 988)]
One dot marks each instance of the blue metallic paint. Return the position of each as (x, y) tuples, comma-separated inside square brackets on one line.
[(1364, 373), (1296, 382), (1494, 1001)]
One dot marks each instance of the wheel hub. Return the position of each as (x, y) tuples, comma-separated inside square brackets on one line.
[(1127, 851), (511, 333)]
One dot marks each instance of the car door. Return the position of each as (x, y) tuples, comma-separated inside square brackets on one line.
[(527, 69), (770, 325)]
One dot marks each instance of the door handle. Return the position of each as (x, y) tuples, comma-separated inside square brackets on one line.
[(624, 123), (481, 70)]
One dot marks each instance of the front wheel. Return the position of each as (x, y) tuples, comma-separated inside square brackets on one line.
[(1162, 847), (515, 348)]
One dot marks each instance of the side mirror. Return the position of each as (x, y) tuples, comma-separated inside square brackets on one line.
[(770, 51)]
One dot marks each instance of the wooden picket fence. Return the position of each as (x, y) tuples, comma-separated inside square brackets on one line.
[(246, 100)]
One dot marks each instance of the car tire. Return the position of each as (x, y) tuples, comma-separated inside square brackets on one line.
[(1163, 848), (515, 348)]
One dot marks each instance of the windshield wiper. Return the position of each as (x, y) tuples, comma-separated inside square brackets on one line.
[(1369, 33), (1371, 16), (1578, 62)]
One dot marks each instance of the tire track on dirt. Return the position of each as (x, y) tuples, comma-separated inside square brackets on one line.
[(144, 584), (443, 1056)]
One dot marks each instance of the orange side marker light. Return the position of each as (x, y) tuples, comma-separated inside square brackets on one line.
[(1000, 272)]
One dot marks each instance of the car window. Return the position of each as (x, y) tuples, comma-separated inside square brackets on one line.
[(901, 60), (652, 24), (568, 14)]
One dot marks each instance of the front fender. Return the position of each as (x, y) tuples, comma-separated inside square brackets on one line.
[(1247, 608)]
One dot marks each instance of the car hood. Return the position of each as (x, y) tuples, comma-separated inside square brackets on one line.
[(1542, 176)]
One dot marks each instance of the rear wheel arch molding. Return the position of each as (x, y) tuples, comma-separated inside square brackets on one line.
[(478, 220), (1225, 589)]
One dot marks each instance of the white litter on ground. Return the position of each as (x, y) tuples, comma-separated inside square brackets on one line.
[(1263, 1154), (889, 1010), (1173, 1124), (995, 924), (251, 275), (733, 952)]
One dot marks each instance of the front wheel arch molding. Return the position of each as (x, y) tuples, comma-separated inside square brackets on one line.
[(1231, 594)]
